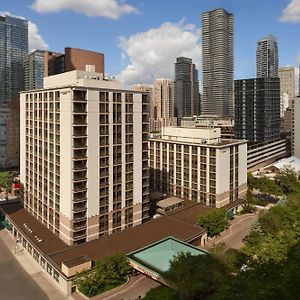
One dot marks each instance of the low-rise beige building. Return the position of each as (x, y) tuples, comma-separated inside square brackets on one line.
[(84, 155), (197, 165)]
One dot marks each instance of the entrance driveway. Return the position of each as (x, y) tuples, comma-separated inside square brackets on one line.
[(239, 228)]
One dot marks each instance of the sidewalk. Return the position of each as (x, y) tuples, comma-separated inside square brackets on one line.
[(31, 268)]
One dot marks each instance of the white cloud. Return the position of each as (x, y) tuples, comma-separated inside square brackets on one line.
[(95, 8), (152, 53), (35, 40), (292, 12)]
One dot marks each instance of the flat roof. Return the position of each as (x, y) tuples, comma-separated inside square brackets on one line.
[(289, 162), (34, 230), (158, 255), (125, 241), (169, 202), (222, 143), (190, 212), (130, 239), (76, 261)]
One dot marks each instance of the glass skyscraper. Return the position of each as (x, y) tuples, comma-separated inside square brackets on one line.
[(13, 49), (267, 57), (34, 70), (187, 99), (217, 51)]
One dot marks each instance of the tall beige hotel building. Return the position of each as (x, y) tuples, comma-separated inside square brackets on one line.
[(84, 160), (217, 62)]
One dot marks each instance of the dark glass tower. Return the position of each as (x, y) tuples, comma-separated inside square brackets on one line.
[(257, 109), (187, 99), (34, 70), (13, 49)]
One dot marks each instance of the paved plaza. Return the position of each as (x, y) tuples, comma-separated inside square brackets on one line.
[(15, 282)]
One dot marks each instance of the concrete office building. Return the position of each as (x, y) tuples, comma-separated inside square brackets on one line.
[(197, 165), (13, 49), (287, 94), (34, 70), (267, 57), (72, 59), (84, 155), (287, 84), (217, 61), (163, 104), (187, 97), (296, 128), (257, 109), (263, 154)]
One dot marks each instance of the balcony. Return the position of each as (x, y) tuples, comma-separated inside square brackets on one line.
[(79, 108), (79, 154), (78, 217), (79, 95), (79, 119), (79, 176), (78, 198), (79, 235), (79, 131), (79, 226), (79, 143), (79, 207), (79, 165), (79, 187)]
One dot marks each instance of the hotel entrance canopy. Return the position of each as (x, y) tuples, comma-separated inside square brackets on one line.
[(154, 260)]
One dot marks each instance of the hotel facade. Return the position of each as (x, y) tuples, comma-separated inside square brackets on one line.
[(197, 165), (84, 155)]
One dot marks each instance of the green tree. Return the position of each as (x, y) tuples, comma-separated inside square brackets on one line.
[(214, 222), (160, 293), (195, 277), (288, 181), (6, 179), (106, 275)]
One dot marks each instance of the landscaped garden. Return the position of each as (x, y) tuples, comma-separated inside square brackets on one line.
[(104, 276)]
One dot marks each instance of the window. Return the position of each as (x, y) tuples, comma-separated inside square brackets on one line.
[(56, 276), (49, 269)]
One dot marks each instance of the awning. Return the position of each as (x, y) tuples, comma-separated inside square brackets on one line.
[(6, 224)]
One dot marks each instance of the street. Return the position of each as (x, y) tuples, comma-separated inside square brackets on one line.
[(15, 282)]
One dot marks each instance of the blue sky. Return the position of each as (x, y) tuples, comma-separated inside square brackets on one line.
[(141, 38)]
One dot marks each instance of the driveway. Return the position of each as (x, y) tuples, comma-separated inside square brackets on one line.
[(137, 286), (15, 283), (233, 237)]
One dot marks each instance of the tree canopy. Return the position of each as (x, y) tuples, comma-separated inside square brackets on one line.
[(267, 267), (106, 274), (214, 222), (6, 179)]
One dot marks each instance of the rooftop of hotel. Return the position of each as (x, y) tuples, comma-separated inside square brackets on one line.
[(121, 242), (210, 137)]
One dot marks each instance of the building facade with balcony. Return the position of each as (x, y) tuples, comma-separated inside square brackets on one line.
[(84, 155), (197, 165)]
